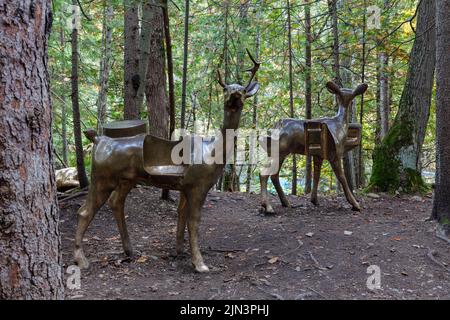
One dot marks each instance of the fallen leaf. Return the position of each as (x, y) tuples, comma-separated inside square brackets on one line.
[(396, 238), (142, 259), (310, 234), (273, 260), (348, 233), (230, 255)]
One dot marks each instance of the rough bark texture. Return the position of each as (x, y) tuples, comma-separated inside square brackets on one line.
[(157, 106), (185, 62), (81, 171), (384, 95), (104, 65), (30, 260), (131, 59), (441, 203), (308, 89), (291, 94), (169, 67), (396, 162)]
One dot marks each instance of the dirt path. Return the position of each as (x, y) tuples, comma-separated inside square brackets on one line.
[(300, 253)]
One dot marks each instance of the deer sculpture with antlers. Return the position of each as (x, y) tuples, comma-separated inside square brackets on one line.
[(324, 139), (119, 163)]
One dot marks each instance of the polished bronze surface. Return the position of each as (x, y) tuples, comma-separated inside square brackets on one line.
[(324, 139), (119, 163)]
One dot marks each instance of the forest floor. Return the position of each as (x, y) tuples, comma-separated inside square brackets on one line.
[(304, 252)]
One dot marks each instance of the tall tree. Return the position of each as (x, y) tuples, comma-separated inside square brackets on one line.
[(105, 62), (441, 203), (360, 172), (131, 58), (308, 87), (157, 106), (169, 57), (255, 97), (185, 63), (30, 259), (62, 43), (396, 162), (81, 170), (291, 94)]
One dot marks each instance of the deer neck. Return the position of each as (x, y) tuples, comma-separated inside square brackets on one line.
[(342, 116), (231, 121)]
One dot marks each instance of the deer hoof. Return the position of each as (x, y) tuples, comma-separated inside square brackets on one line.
[(81, 260), (315, 202), (269, 210), (201, 268)]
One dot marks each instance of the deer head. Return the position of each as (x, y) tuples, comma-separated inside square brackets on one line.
[(345, 96), (235, 95)]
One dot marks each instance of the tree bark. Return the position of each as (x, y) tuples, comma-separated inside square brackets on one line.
[(185, 62), (384, 95), (30, 259), (396, 162), (291, 94), (63, 98), (131, 59), (308, 88), (441, 203), (157, 106), (169, 68), (81, 171), (104, 66), (256, 97), (360, 177)]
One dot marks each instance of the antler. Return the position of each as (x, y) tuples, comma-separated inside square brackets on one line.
[(254, 69), (219, 76)]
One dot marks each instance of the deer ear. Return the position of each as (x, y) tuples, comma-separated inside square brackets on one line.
[(360, 89), (333, 88), (252, 89)]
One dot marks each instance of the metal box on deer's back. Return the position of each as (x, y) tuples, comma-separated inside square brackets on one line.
[(125, 128), (316, 139)]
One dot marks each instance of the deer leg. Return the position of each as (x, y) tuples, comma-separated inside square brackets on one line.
[(117, 204), (337, 168), (181, 226), (97, 196), (195, 200), (276, 182), (264, 199), (317, 168)]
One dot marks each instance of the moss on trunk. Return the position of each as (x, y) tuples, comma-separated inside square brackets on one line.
[(388, 173)]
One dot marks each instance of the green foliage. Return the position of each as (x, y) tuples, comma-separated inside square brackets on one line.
[(206, 54)]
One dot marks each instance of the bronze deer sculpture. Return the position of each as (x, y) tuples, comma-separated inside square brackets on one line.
[(294, 139), (119, 163)]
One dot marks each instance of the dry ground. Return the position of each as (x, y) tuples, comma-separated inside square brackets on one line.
[(305, 252)]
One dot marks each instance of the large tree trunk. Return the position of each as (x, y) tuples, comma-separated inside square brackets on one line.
[(396, 162), (291, 94), (157, 106), (81, 171), (384, 94), (30, 259), (308, 88), (104, 65), (256, 97), (441, 203), (131, 59), (185, 62), (65, 153), (169, 68)]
